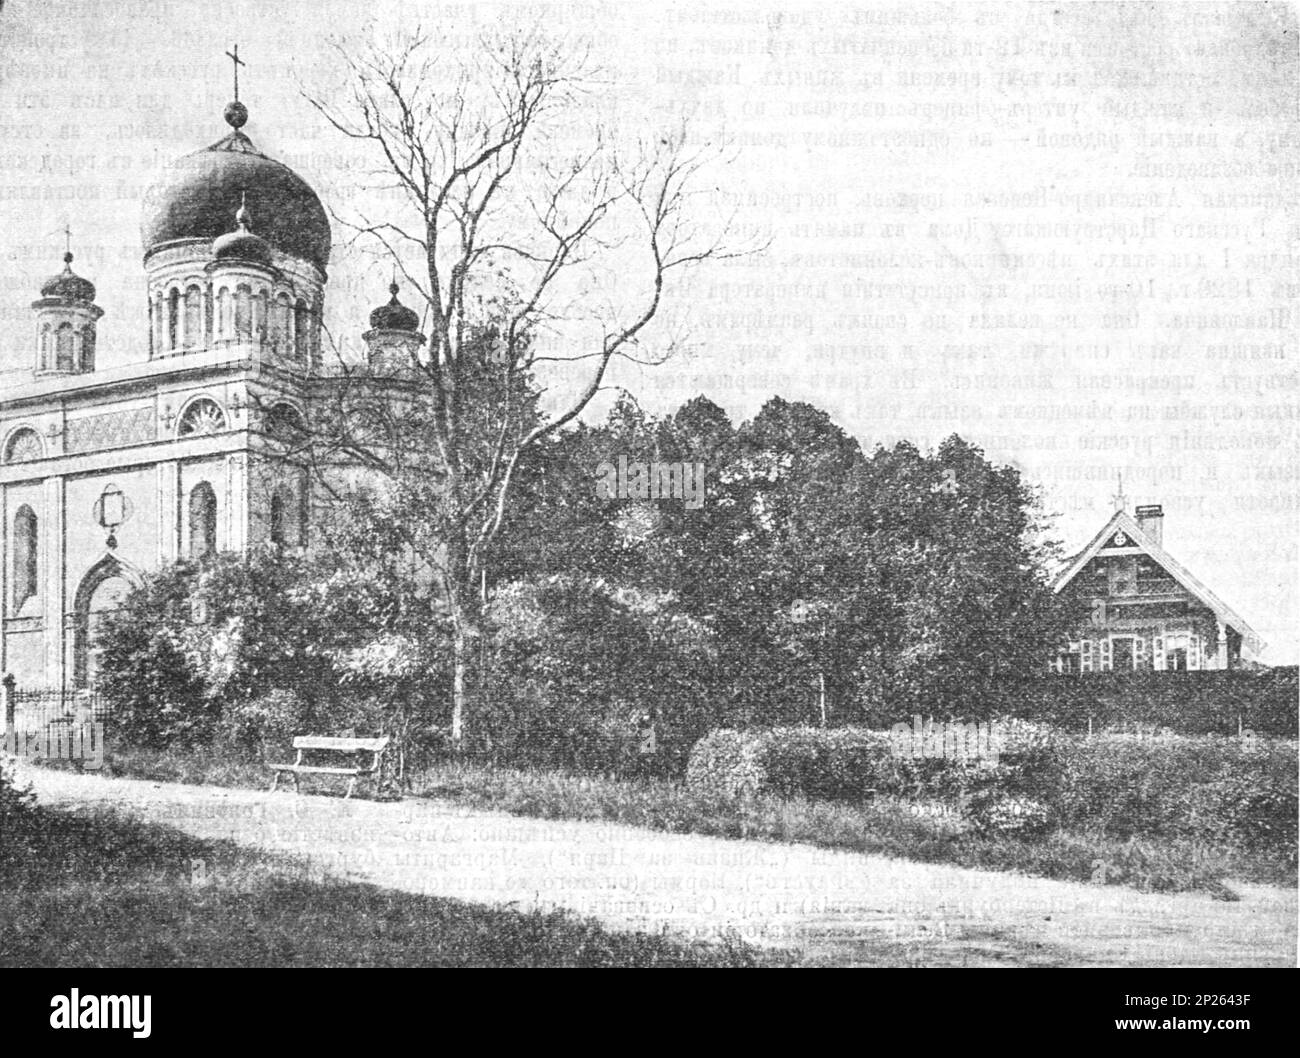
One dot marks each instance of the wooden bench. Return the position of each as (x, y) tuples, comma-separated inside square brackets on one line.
[(374, 746)]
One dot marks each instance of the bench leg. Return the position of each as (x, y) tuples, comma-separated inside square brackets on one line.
[(296, 787), (352, 785), (275, 782)]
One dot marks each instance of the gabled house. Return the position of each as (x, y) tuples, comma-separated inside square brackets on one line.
[(1141, 610)]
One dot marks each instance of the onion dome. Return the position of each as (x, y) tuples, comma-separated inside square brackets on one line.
[(241, 244), (394, 316), (196, 194), (68, 285)]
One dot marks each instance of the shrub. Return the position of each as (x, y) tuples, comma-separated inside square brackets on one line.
[(264, 725), (15, 798), (831, 764), (1238, 791), (725, 764), (156, 697), (994, 811), (1189, 703), (574, 665), (1206, 790), (852, 764), (202, 650)]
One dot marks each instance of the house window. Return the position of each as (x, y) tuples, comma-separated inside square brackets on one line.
[(1123, 653), (1066, 662), (88, 347), (25, 556), (1176, 653), (203, 521), (1123, 576), (1141, 654)]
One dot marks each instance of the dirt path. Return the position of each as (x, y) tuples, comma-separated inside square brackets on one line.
[(832, 907)]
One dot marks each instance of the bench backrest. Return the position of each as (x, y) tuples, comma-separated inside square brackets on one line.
[(352, 745)]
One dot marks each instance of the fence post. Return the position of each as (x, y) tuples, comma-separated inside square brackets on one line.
[(10, 709)]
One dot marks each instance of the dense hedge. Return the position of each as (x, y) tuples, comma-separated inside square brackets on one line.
[(1242, 791), (1224, 790), (852, 764), (1188, 703)]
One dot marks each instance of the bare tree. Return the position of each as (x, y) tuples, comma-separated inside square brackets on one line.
[(532, 249)]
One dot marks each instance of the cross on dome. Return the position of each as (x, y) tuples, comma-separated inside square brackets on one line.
[(237, 62)]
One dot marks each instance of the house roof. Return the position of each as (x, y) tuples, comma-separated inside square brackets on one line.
[(1123, 520)]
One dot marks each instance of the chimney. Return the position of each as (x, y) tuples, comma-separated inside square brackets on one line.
[(1151, 520)]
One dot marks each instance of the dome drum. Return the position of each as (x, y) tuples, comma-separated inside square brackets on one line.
[(65, 324)]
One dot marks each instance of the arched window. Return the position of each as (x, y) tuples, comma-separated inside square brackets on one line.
[(25, 556), (47, 346), (64, 356), (300, 329), (225, 323), (288, 520), (174, 319), (284, 423), (159, 330), (193, 318), (290, 329), (203, 521), (244, 313), (203, 416), (282, 325), (259, 316), (24, 445), (88, 347), (277, 518)]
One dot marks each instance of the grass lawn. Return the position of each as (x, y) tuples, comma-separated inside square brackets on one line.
[(100, 888), (885, 827)]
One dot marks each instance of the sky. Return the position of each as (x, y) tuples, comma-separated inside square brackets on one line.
[(1066, 232)]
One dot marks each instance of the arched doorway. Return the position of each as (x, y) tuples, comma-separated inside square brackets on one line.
[(102, 591)]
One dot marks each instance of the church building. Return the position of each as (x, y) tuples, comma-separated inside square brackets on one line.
[(108, 474), (1139, 609)]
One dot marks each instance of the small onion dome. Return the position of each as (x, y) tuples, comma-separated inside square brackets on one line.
[(68, 284), (394, 316), (241, 244)]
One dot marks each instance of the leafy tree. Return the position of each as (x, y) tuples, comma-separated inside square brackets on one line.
[(833, 584), (578, 665), (201, 642)]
